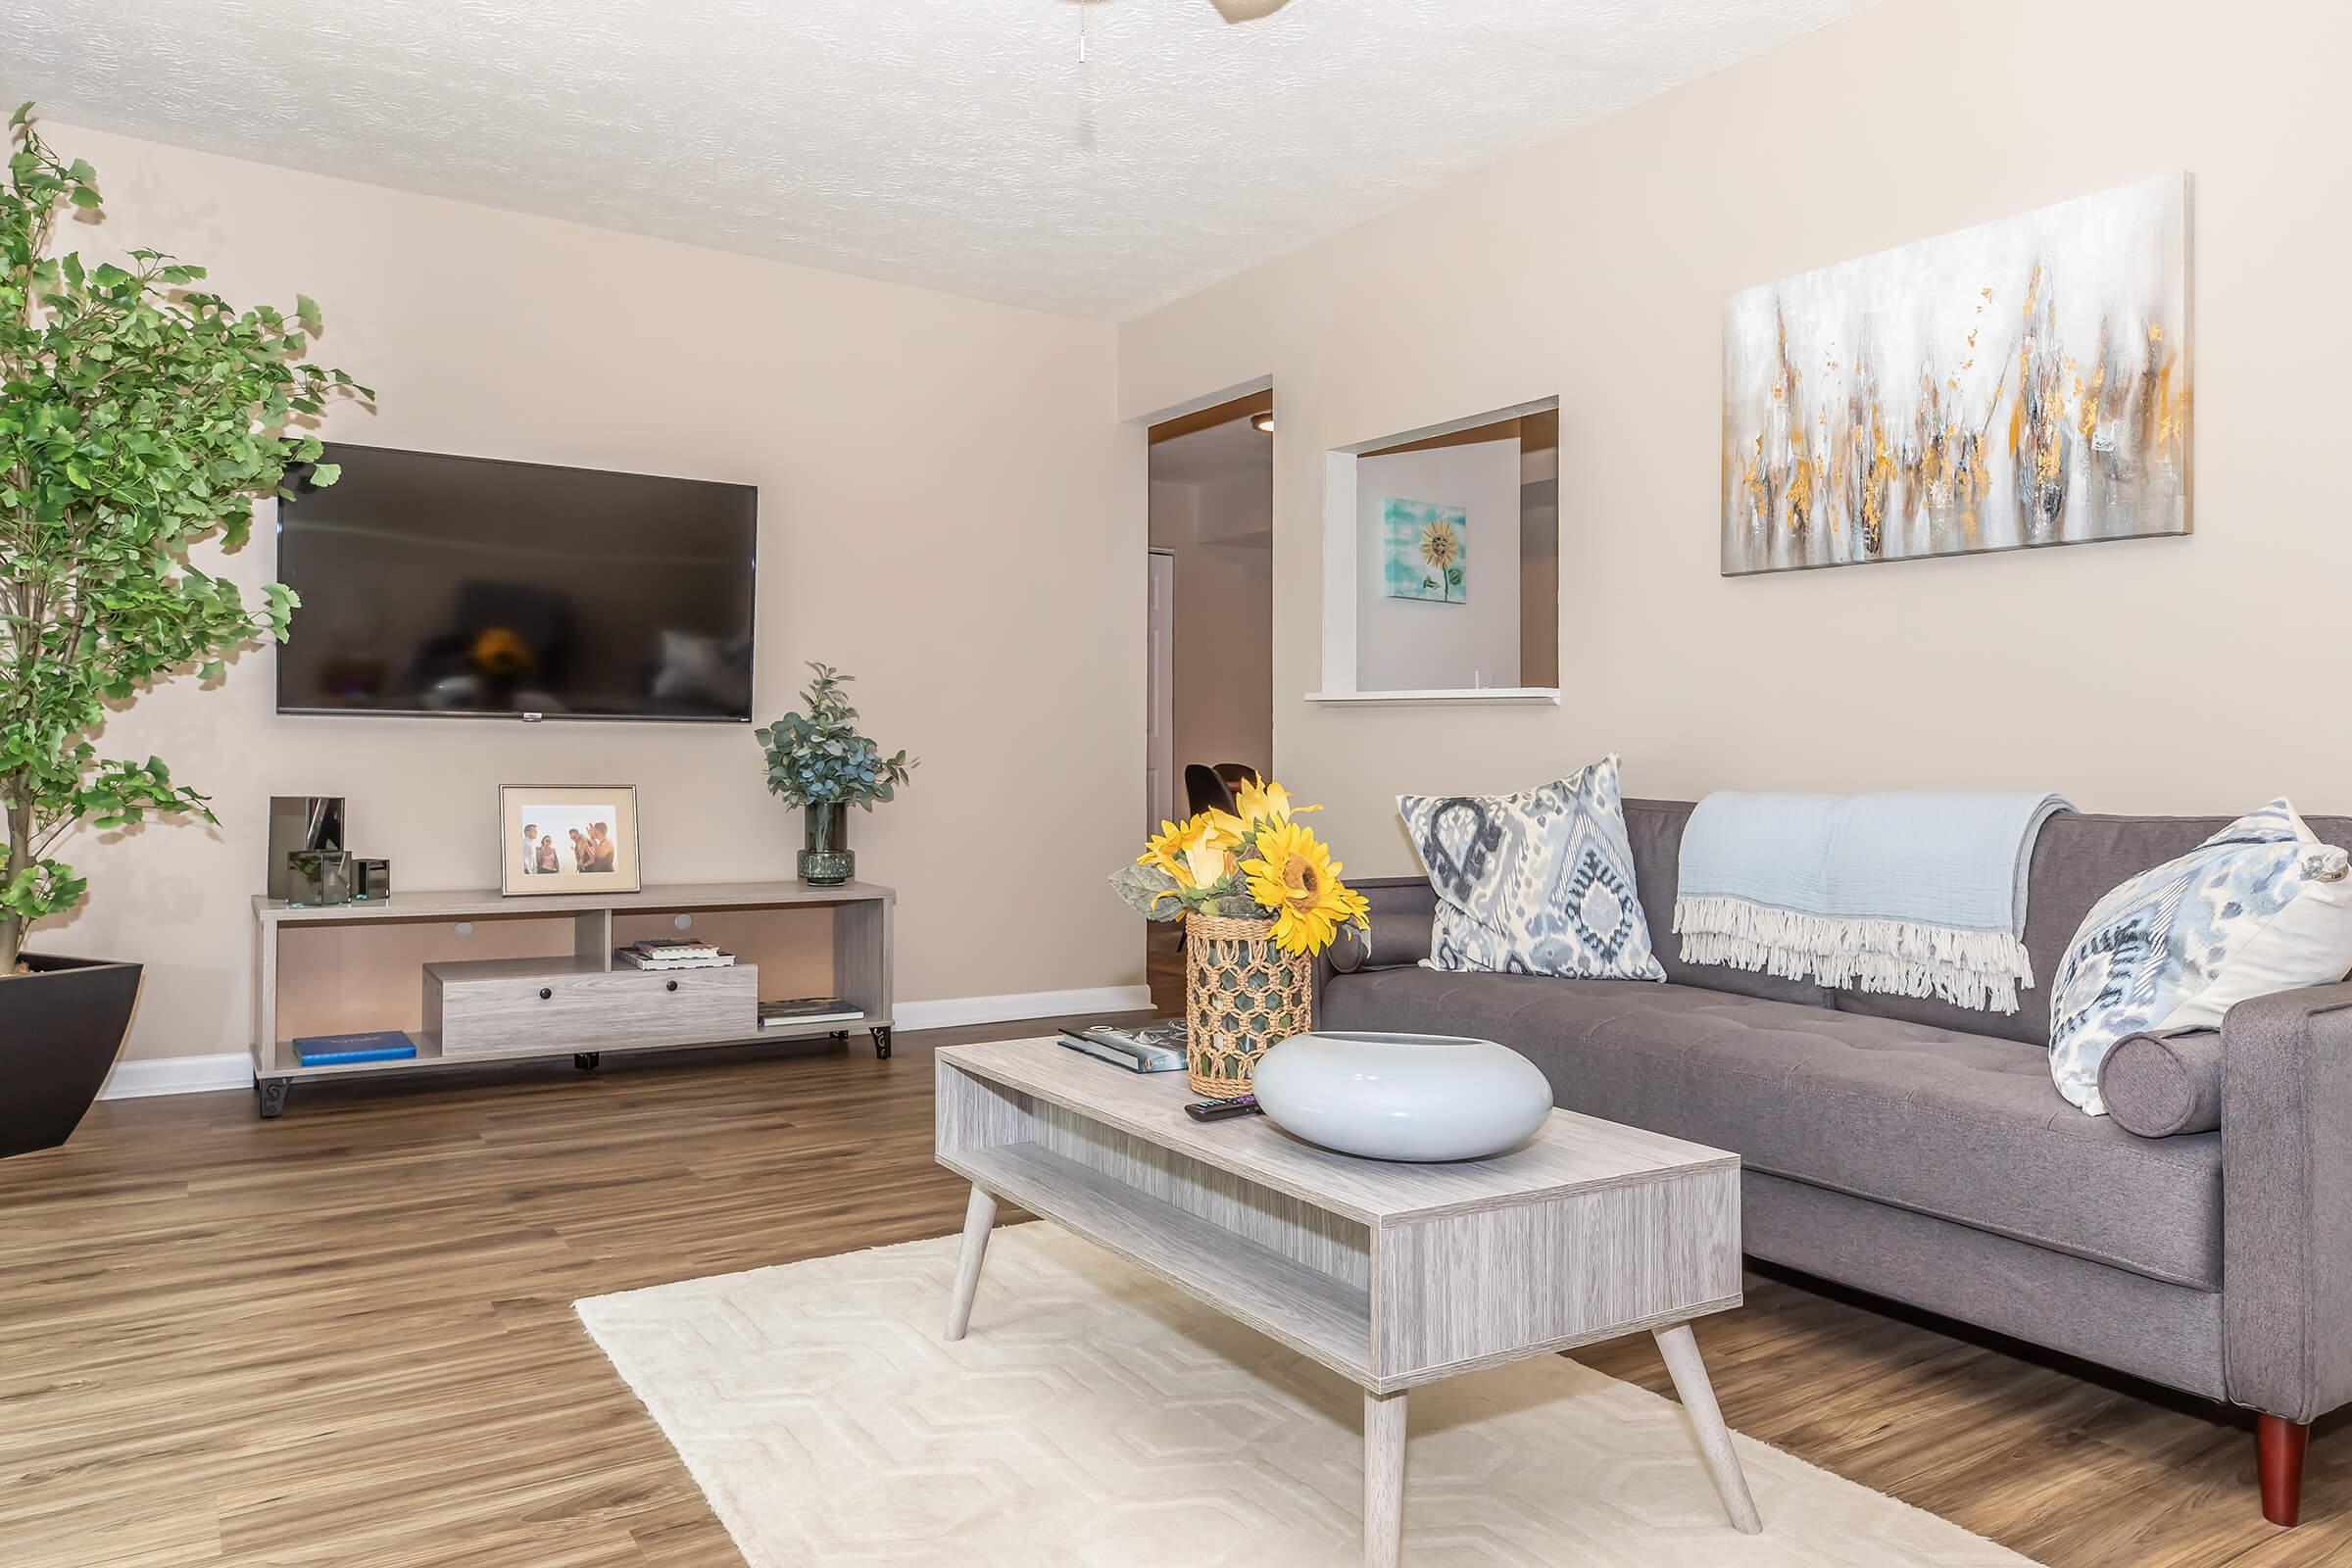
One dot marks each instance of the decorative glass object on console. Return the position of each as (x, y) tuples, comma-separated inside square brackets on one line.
[(372, 879), (320, 877), (826, 859), (300, 823)]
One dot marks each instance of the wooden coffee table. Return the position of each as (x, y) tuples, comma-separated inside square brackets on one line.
[(1391, 1275)]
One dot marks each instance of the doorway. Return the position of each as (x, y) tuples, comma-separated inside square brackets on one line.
[(1211, 622), (1159, 723)]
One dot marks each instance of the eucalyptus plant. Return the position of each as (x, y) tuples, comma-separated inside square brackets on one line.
[(818, 757), (139, 416)]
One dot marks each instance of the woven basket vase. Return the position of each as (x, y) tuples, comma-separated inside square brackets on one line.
[(1243, 997)]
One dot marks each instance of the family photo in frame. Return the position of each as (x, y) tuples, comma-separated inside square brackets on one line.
[(571, 838)]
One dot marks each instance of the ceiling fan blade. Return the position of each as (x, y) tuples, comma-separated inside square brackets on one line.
[(1247, 9)]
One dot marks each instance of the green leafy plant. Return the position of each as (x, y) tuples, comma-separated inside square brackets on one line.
[(818, 757), (139, 416)]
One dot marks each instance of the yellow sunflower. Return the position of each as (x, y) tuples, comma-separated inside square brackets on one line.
[(1441, 546), (1295, 877), (1259, 799), (1197, 852)]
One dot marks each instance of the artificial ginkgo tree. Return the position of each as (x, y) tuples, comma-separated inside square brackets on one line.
[(139, 416)]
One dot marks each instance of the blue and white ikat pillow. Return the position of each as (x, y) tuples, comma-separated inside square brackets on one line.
[(1541, 882), (2261, 907)]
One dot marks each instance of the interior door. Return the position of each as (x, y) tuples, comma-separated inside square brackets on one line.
[(1159, 722)]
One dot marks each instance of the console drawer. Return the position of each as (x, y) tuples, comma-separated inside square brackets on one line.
[(528, 1007)]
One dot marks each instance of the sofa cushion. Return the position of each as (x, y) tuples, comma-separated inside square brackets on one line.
[(1540, 882), (1962, 1127), (2161, 1083), (2078, 860), (1654, 828), (2260, 908), (1401, 928)]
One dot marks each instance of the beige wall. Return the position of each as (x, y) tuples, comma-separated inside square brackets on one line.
[(947, 511), (2204, 673)]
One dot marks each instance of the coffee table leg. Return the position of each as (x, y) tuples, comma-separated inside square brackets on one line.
[(978, 1217), (1384, 1478), (1680, 1346)]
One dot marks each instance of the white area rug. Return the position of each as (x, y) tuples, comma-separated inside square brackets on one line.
[(1097, 1419)]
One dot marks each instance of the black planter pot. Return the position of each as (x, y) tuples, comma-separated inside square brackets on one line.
[(61, 1027)]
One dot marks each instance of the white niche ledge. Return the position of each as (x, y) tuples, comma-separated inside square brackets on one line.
[(1492, 696)]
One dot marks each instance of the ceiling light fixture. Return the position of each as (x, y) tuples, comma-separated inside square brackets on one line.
[(1264, 422), (1247, 9)]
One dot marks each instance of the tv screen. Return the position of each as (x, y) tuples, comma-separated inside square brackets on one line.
[(469, 587)]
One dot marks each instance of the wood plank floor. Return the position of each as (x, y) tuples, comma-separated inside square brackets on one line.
[(346, 1338)]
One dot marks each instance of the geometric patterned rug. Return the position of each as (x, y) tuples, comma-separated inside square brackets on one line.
[(1095, 1418)]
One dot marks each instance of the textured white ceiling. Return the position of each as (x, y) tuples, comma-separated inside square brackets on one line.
[(955, 143)]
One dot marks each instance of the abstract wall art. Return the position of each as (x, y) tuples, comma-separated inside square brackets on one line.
[(2024, 382), (1425, 552)]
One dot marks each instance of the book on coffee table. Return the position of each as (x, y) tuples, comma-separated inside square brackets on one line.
[(1156, 1047)]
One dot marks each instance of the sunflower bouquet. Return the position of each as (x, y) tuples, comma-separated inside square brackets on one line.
[(1259, 895), (1256, 862)]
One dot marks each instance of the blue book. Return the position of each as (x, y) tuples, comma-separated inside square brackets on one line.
[(341, 1051)]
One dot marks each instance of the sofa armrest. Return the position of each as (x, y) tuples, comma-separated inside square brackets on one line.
[(1402, 908), (2287, 1200)]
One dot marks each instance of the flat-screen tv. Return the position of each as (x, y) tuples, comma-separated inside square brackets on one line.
[(474, 588)]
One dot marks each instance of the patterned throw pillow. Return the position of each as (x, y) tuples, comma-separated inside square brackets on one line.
[(1541, 882), (2261, 907)]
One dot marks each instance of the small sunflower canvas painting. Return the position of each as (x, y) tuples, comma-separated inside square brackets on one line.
[(1425, 552)]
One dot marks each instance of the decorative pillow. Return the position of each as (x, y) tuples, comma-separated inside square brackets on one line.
[(2165, 1082), (2262, 906), (1541, 882)]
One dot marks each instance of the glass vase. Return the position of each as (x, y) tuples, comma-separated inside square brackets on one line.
[(826, 859), (321, 877)]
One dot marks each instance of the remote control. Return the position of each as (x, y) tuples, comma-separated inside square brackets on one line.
[(1219, 1110)]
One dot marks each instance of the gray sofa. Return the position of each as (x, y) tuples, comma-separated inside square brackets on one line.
[(1919, 1151)]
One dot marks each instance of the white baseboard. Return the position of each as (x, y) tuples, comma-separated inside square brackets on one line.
[(955, 1013), (199, 1075), (179, 1075)]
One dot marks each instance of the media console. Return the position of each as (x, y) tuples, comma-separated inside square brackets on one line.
[(476, 977)]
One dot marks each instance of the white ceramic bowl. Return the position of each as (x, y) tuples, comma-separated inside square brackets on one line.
[(1403, 1096)]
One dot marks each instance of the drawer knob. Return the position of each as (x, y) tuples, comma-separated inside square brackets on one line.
[(546, 994), (672, 986)]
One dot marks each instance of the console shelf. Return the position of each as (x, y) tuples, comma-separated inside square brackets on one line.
[(476, 977)]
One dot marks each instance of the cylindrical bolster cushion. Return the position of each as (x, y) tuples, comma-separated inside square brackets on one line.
[(1397, 938), (2161, 1081)]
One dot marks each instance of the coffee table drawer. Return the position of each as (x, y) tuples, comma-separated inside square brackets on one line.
[(502, 1011)]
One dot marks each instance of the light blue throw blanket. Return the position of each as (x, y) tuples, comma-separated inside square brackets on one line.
[(1918, 893)]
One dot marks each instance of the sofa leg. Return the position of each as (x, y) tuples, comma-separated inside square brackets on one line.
[(2281, 1444)]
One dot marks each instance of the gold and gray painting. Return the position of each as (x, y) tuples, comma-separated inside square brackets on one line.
[(2024, 382)]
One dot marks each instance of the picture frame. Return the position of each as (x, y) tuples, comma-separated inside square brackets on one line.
[(1425, 551), (2023, 383), (585, 839)]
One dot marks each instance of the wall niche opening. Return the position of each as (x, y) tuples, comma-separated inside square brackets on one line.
[(1442, 560)]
